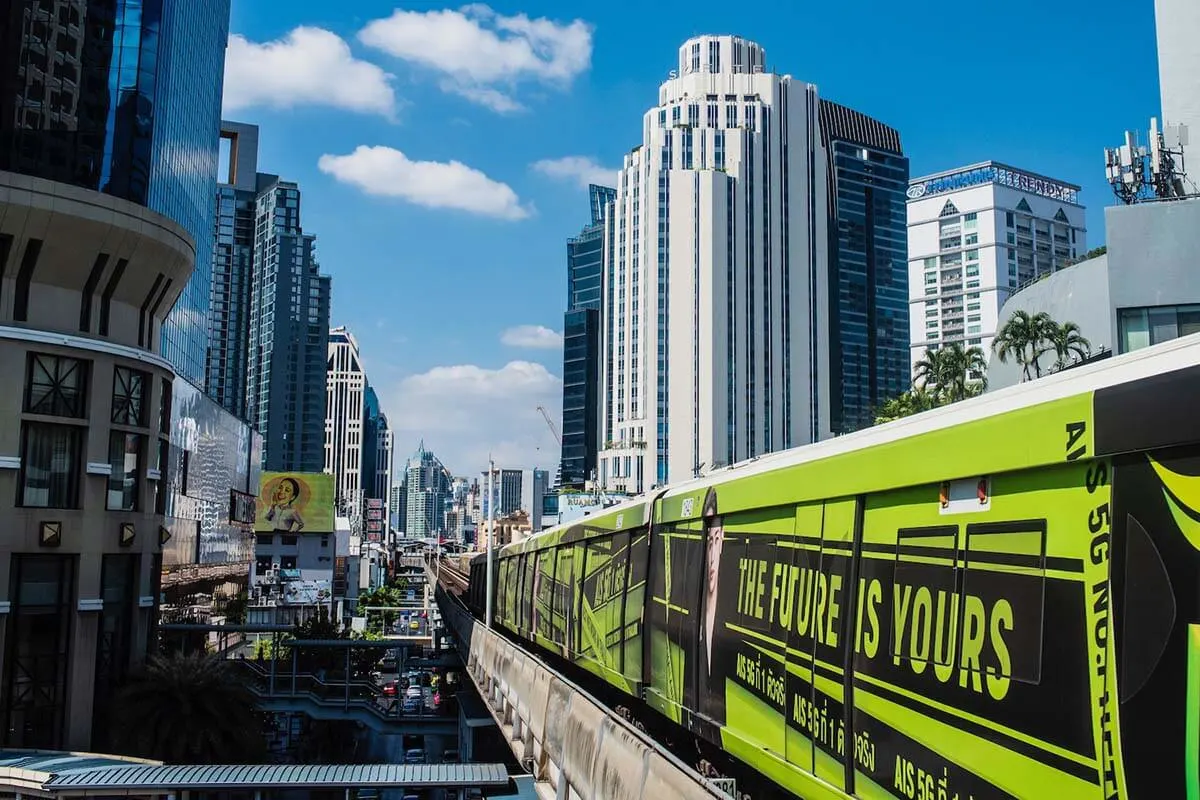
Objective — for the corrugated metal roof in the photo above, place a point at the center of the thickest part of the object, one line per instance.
(59, 762)
(146, 777)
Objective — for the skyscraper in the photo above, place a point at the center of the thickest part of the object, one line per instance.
(716, 279)
(428, 490)
(975, 235)
(868, 265)
(581, 344)
(123, 97)
(506, 491)
(109, 112)
(377, 449)
(232, 273)
(288, 333)
(345, 415)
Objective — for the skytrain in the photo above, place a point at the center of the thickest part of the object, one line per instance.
(996, 599)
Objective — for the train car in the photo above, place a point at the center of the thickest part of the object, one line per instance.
(995, 599)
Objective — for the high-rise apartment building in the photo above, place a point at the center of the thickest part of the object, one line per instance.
(506, 491)
(975, 235)
(428, 490)
(345, 415)
(716, 274)
(868, 265)
(581, 344)
(288, 333)
(123, 97)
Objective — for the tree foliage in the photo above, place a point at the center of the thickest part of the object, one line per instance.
(952, 373)
(1026, 337)
(188, 708)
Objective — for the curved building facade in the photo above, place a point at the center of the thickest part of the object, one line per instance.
(86, 280)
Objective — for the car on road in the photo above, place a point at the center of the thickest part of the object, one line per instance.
(390, 689)
(414, 693)
(411, 706)
(414, 626)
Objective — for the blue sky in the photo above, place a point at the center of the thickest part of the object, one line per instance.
(416, 132)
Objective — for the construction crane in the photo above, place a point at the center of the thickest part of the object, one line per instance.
(550, 422)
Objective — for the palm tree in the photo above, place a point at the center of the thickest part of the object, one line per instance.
(929, 372)
(911, 402)
(960, 369)
(188, 709)
(1023, 337)
(1068, 343)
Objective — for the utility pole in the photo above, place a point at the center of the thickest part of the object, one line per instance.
(491, 501)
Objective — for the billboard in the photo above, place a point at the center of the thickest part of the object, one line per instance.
(295, 502)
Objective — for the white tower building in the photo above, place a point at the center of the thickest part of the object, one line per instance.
(976, 235)
(1178, 24)
(346, 383)
(715, 284)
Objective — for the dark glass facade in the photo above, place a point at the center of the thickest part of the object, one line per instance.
(581, 344)
(184, 159)
(123, 97)
(868, 265)
(289, 332)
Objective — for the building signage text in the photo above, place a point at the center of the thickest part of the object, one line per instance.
(1003, 176)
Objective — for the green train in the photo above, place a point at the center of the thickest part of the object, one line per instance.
(992, 600)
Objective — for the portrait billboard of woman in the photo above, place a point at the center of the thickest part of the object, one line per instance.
(285, 497)
(712, 677)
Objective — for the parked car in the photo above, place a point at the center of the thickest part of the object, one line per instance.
(414, 756)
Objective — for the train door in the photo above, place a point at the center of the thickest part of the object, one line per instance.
(676, 556)
(830, 635)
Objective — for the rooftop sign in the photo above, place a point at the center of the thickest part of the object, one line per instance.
(994, 173)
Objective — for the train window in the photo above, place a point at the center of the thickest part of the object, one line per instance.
(1004, 586)
(528, 565)
(927, 607)
(510, 595)
(502, 573)
(636, 545)
(603, 593)
(564, 586)
(543, 588)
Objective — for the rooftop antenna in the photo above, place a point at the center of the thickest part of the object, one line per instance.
(1139, 173)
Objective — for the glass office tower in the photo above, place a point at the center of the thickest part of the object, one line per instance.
(123, 97)
(581, 344)
(868, 265)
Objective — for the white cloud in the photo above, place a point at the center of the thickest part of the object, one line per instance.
(532, 336)
(464, 413)
(309, 66)
(386, 172)
(479, 50)
(581, 169)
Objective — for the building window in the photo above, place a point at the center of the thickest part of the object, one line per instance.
(1143, 327)
(38, 641)
(129, 394)
(125, 458)
(51, 458)
(56, 386)
(1008, 219)
(289, 540)
(118, 590)
(164, 408)
(264, 540)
